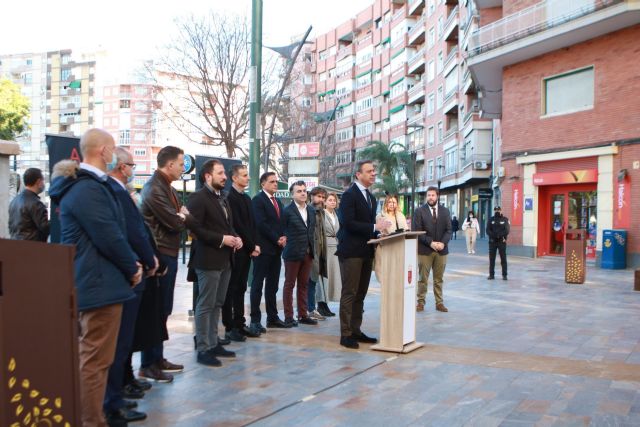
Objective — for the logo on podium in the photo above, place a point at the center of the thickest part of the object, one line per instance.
(410, 273)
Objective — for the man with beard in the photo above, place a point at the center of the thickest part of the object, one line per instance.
(435, 220)
(216, 241)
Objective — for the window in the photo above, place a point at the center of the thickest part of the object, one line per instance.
(430, 170)
(363, 81)
(439, 167)
(29, 62)
(431, 41)
(431, 71)
(451, 82)
(450, 161)
(125, 103)
(364, 55)
(140, 105)
(322, 77)
(379, 23)
(139, 152)
(141, 90)
(440, 97)
(569, 92)
(125, 137)
(398, 117)
(140, 136)
(397, 89)
(431, 104)
(431, 136)
(344, 134)
(28, 78)
(440, 26)
(440, 132)
(431, 8)
(66, 59)
(364, 104)
(440, 62)
(323, 55)
(344, 157)
(364, 129)
(65, 73)
(141, 121)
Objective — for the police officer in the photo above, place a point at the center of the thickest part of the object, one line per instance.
(498, 229)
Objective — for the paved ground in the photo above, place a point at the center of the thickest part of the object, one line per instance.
(532, 351)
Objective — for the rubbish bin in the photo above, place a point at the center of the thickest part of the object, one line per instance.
(575, 268)
(614, 249)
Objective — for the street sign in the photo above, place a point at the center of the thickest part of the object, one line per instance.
(308, 149)
(485, 193)
(310, 181)
(189, 164)
(304, 167)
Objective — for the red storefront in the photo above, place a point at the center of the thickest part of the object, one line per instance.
(568, 200)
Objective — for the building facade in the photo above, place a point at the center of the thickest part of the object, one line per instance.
(397, 73)
(560, 78)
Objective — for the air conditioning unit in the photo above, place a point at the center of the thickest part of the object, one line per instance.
(500, 173)
(480, 165)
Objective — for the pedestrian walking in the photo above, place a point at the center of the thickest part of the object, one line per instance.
(471, 228)
(455, 226)
(498, 229)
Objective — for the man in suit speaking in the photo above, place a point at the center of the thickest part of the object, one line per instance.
(357, 226)
(435, 220)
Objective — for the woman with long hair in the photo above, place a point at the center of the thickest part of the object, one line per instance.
(471, 228)
(329, 289)
(397, 220)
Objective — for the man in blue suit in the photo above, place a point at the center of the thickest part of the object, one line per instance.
(357, 226)
(114, 404)
(268, 211)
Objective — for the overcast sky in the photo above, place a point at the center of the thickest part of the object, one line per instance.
(136, 27)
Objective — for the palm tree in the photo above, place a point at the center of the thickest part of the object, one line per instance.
(393, 163)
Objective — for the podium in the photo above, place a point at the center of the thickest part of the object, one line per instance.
(399, 275)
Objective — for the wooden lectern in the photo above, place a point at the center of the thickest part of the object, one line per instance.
(399, 275)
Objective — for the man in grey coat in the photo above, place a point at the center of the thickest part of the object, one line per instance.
(435, 220)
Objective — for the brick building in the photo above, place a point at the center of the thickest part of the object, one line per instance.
(560, 78)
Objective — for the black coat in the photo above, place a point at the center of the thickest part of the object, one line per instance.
(28, 218)
(210, 225)
(244, 222)
(270, 227)
(357, 219)
(300, 236)
(440, 231)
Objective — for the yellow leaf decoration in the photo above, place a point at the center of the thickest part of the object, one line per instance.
(46, 412)
(12, 364)
(15, 425)
(36, 411)
(25, 383)
(16, 397)
(19, 410)
(58, 402)
(34, 394)
(12, 382)
(67, 425)
(27, 419)
(57, 418)
(44, 401)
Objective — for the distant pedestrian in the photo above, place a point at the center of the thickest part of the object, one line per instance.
(498, 229)
(471, 229)
(455, 226)
(28, 218)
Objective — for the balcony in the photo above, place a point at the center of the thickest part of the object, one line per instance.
(451, 61)
(416, 94)
(468, 86)
(474, 109)
(416, 35)
(416, 7)
(346, 51)
(451, 26)
(539, 29)
(415, 65)
(416, 120)
(344, 122)
(451, 102)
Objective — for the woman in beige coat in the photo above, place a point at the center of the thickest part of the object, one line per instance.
(471, 229)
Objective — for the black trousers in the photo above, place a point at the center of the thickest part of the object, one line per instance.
(233, 308)
(502, 248)
(266, 268)
(356, 274)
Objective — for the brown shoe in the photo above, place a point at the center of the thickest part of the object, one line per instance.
(420, 307)
(154, 373)
(441, 307)
(167, 366)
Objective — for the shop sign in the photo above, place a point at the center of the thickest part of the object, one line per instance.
(516, 211)
(622, 205)
(474, 198)
(485, 193)
(528, 204)
(307, 149)
(567, 177)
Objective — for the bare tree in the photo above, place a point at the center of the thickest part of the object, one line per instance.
(208, 62)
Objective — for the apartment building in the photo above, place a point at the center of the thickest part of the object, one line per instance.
(61, 90)
(397, 74)
(560, 77)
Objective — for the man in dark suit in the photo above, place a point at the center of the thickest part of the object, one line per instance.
(357, 226)
(114, 405)
(435, 220)
(266, 267)
(299, 227)
(215, 243)
(245, 225)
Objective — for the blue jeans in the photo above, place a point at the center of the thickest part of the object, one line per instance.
(167, 285)
(311, 295)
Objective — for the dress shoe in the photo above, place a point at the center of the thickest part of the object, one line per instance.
(349, 342)
(167, 366)
(307, 320)
(248, 332)
(255, 330)
(207, 358)
(153, 372)
(420, 307)
(441, 307)
(324, 309)
(504, 277)
(124, 416)
(220, 351)
(130, 404)
(316, 315)
(141, 384)
(132, 392)
(277, 324)
(361, 337)
(224, 341)
(290, 322)
(490, 278)
(235, 335)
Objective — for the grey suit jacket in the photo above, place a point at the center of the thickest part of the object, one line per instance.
(438, 231)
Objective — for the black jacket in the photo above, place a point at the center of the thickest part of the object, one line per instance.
(357, 219)
(210, 225)
(300, 236)
(270, 227)
(440, 231)
(244, 222)
(28, 218)
(498, 228)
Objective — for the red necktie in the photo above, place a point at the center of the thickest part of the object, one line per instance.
(275, 205)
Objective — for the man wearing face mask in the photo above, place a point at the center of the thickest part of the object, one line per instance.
(105, 266)
(216, 241)
(28, 218)
(498, 228)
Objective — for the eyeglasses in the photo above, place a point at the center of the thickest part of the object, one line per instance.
(131, 165)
